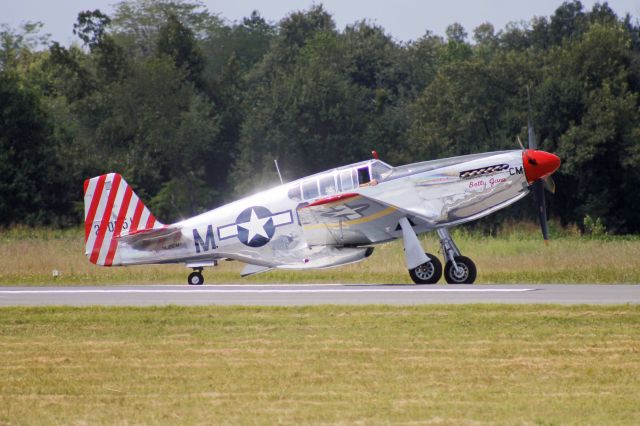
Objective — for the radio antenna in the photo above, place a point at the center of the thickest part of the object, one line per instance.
(278, 170)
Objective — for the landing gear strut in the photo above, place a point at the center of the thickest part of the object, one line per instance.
(425, 268)
(458, 269)
(196, 278)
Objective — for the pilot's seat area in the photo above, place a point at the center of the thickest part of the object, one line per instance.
(340, 180)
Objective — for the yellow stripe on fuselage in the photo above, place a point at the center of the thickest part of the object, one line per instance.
(364, 219)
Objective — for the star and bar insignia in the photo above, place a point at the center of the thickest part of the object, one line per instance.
(255, 226)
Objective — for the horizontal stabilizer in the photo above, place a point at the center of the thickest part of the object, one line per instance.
(151, 238)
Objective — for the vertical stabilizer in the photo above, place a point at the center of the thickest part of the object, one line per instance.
(111, 209)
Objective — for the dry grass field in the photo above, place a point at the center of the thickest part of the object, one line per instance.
(516, 255)
(444, 365)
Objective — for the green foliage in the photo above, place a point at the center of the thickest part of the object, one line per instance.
(178, 42)
(17, 46)
(182, 196)
(91, 27)
(30, 188)
(594, 228)
(192, 110)
(137, 23)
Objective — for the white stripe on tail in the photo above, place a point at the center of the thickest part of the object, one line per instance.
(111, 210)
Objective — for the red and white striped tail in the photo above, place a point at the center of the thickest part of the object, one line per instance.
(111, 209)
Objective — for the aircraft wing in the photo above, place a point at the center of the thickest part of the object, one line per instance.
(349, 218)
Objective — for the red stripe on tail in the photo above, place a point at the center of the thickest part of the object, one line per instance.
(104, 223)
(122, 215)
(150, 222)
(137, 214)
(95, 201)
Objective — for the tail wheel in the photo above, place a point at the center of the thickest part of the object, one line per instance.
(195, 278)
(466, 273)
(427, 273)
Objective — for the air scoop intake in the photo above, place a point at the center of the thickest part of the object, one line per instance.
(539, 164)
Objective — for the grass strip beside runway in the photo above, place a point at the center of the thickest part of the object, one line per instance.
(328, 364)
(517, 255)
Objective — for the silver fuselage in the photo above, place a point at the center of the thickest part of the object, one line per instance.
(267, 228)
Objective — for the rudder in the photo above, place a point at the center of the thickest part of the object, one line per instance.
(111, 209)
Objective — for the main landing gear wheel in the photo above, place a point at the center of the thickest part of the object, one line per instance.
(195, 278)
(427, 273)
(466, 273)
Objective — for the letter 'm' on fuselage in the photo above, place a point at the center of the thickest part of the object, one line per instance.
(207, 244)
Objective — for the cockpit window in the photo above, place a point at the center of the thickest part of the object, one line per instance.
(346, 180)
(328, 185)
(379, 170)
(310, 189)
(295, 193)
(363, 175)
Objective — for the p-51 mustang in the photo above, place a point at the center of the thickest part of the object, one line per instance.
(325, 220)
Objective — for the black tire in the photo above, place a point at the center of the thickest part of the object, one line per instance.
(427, 273)
(195, 278)
(466, 271)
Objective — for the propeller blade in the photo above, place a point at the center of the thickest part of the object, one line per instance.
(550, 184)
(541, 184)
(532, 135)
(538, 192)
(532, 138)
(520, 142)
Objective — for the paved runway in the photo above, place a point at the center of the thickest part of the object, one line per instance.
(305, 294)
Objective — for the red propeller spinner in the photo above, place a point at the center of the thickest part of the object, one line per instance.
(539, 164)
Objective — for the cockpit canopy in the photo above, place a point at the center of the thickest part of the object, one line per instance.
(339, 180)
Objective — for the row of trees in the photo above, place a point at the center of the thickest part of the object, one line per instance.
(192, 110)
